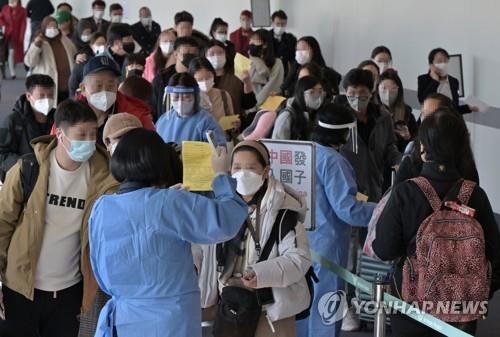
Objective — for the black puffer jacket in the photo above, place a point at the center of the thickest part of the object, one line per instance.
(16, 132)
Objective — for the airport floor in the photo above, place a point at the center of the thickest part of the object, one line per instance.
(11, 89)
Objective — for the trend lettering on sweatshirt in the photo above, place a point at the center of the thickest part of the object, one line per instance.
(64, 201)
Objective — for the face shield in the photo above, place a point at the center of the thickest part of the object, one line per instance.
(353, 131)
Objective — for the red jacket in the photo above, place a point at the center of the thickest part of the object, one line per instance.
(240, 41)
(127, 104)
(14, 21)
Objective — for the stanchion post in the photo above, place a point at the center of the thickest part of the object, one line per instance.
(380, 316)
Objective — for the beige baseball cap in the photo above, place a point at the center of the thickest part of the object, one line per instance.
(118, 125)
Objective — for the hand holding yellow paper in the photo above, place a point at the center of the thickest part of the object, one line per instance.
(272, 103)
(197, 166)
(241, 64)
(226, 122)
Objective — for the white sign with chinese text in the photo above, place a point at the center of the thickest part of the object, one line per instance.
(294, 163)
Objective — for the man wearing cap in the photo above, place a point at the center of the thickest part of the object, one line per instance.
(100, 91)
(116, 127)
(241, 36)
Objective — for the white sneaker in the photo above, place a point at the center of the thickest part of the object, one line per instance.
(351, 321)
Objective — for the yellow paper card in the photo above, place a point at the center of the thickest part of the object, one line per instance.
(241, 64)
(197, 166)
(226, 122)
(361, 197)
(272, 103)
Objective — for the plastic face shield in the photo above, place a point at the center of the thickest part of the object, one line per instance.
(353, 131)
(179, 90)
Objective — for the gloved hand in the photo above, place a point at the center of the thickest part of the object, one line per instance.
(220, 161)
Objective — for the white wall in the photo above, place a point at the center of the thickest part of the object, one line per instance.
(349, 29)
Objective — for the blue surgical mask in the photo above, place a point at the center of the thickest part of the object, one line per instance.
(81, 150)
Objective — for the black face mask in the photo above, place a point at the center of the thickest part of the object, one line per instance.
(255, 50)
(129, 47)
(135, 72)
(187, 58)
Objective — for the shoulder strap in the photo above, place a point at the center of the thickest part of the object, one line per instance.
(429, 192)
(29, 174)
(286, 221)
(466, 190)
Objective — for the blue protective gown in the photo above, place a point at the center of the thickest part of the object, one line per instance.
(140, 250)
(336, 211)
(173, 128)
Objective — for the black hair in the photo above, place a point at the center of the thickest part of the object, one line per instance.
(159, 59)
(70, 113)
(300, 125)
(137, 58)
(358, 77)
(95, 36)
(201, 63)
(215, 24)
(183, 17)
(268, 55)
(446, 141)
(115, 7)
(379, 50)
(313, 68)
(398, 110)
(65, 4)
(186, 80)
(333, 114)
(142, 156)
(118, 31)
(38, 80)
(99, 3)
(247, 148)
(436, 51)
(279, 14)
(366, 63)
(185, 41)
(317, 56)
(444, 101)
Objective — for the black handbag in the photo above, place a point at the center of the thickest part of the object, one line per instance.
(238, 313)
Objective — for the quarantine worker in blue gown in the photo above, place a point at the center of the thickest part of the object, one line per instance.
(337, 210)
(140, 240)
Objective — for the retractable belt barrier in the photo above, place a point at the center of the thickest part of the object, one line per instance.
(397, 304)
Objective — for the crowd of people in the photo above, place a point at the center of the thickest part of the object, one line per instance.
(99, 236)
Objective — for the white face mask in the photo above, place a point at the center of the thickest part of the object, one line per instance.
(51, 32)
(206, 85)
(248, 182)
(146, 21)
(388, 97)
(166, 47)
(245, 24)
(102, 100)
(183, 109)
(98, 14)
(218, 61)
(313, 102)
(442, 67)
(382, 66)
(278, 31)
(116, 18)
(43, 105)
(85, 38)
(302, 57)
(98, 49)
(358, 104)
(220, 37)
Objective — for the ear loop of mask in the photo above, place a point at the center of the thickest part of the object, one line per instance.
(353, 130)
